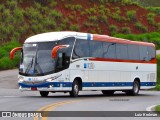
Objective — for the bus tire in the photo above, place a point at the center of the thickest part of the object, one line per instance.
(107, 92)
(75, 89)
(44, 93)
(135, 89)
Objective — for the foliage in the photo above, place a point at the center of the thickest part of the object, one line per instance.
(113, 1)
(146, 3)
(20, 19)
(55, 14)
(74, 27)
(126, 30)
(158, 69)
(153, 37)
(103, 19)
(5, 62)
(116, 14)
(88, 24)
(158, 75)
(150, 18)
(76, 7)
(113, 29)
(131, 15)
(158, 27)
(158, 108)
(91, 11)
(129, 2)
(141, 27)
(93, 18)
(154, 9)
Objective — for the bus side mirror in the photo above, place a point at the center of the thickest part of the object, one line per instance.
(12, 52)
(56, 48)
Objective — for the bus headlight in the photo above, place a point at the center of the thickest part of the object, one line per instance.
(20, 80)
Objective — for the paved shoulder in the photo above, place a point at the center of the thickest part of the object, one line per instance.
(158, 52)
(8, 79)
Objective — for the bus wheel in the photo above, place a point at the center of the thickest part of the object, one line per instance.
(135, 89)
(75, 89)
(107, 92)
(44, 93)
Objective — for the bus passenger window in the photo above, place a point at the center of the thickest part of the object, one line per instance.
(109, 50)
(133, 52)
(96, 49)
(121, 51)
(81, 49)
(151, 53)
(143, 53)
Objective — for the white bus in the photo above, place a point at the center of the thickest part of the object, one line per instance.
(74, 61)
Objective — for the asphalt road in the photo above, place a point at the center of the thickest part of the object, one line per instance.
(158, 52)
(11, 99)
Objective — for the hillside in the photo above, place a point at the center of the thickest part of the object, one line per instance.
(155, 3)
(20, 19)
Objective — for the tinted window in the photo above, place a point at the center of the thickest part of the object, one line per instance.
(81, 49)
(133, 52)
(109, 50)
(96, 49)
(67, 41)
(64, 55)
(143, 53)
(122, 51)
(151, 53)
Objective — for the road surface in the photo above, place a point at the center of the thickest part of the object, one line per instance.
(11, 99)
(158, 52)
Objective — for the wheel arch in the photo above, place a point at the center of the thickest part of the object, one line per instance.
(138, 80)
(79, 80)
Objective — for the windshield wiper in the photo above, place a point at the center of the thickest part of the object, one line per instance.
(29, 66)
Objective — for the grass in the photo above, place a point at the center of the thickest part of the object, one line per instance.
(5, 62)
(154, 9)
(113, 29)
(22, 19)
(150, 18)
(126, 30)
(157, 108)
(141, 27)
(158, 71)
(155, 3)
(153, 37)
(132, 15)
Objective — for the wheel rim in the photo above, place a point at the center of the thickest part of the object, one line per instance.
(76, 89)
(136, 88)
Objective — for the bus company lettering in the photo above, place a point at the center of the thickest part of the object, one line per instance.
(89, 65)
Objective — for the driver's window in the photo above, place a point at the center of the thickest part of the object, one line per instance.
(64, 54)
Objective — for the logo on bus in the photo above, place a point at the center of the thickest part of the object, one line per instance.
(89, 65)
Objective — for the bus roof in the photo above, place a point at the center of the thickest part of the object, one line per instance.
(52, 36)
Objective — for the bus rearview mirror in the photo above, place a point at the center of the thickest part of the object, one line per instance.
(56, 48)
(13, 51)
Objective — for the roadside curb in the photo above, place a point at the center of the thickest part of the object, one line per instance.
(151, 108)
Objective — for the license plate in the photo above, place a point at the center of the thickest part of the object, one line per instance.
(33, 88)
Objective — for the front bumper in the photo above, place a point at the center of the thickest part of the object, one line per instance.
(46, 86)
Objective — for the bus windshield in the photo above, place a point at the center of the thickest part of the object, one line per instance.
(37, 59)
